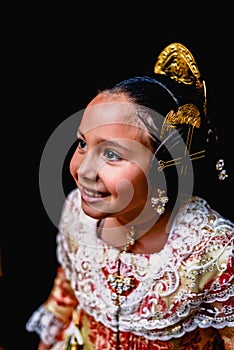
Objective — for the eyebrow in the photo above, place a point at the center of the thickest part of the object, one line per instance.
(81, 133)
(107, 142)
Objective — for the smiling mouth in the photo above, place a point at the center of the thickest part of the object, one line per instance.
(94, 194)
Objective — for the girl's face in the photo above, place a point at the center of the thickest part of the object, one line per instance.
(112, 160)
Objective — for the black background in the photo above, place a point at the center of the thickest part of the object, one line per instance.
(55, 63)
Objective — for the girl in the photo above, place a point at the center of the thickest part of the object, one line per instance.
(145, 263)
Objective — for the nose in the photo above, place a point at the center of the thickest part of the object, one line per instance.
(89, 167)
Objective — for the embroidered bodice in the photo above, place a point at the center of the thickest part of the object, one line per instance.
(158, 296)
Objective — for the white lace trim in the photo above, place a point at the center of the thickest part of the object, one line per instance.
(45, 325)
(182, 287)
(172, 285)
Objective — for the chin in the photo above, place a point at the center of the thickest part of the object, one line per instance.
(92, 212)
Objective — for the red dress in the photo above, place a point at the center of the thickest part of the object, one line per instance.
(179, 298)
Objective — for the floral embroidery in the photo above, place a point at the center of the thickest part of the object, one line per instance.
(162, 294)
(178, 299)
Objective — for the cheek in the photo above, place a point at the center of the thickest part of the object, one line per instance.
(74, 165)
(141, 185)
(110, 179)
(132, 181)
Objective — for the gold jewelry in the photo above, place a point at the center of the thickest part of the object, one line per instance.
(186, 114)
(158, 203)
(119, 285)
(130, 238)
(165, 164)
(178, 63)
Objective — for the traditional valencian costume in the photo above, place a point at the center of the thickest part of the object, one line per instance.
(107, 298)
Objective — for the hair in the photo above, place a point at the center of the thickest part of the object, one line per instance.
(158, 95)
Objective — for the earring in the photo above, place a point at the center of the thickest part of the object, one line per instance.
(158, 203)
(221, 172)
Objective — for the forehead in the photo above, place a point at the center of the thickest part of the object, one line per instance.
(106, 110)
(116, 116)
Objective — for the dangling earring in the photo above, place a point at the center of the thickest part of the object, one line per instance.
(158, 203)
(221, 172)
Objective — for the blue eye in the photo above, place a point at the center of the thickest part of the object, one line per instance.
(81, 144)
(111, 155)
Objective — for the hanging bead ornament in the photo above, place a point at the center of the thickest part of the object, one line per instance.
(120, 285)
(221, 172)
(158, 203)
(130, 238)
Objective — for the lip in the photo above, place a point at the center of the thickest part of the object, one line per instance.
(90, 195)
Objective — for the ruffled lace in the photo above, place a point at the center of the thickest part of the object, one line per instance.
(188, 284)
(45, 325)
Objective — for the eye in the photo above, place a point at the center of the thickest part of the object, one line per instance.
(81, 143)
(111, 155)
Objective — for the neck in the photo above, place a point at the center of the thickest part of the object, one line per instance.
(149, 235)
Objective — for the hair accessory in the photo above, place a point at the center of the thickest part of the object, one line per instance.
(158, 203)
(178, 63)
(165, 164)
(186, 114)
(221, 171)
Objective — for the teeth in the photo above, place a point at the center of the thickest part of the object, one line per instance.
(92, 194)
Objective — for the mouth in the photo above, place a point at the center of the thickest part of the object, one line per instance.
(90, 195)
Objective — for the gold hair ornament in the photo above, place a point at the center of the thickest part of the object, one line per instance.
(186, 114)
(164, 164)
(177, 62)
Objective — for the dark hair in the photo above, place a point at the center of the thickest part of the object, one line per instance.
(161, 94)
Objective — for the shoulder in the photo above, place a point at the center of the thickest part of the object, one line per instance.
(207, 238)
(219, 224)
(198, 214)
(73, 200)
(69, 219)
(213, 229)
